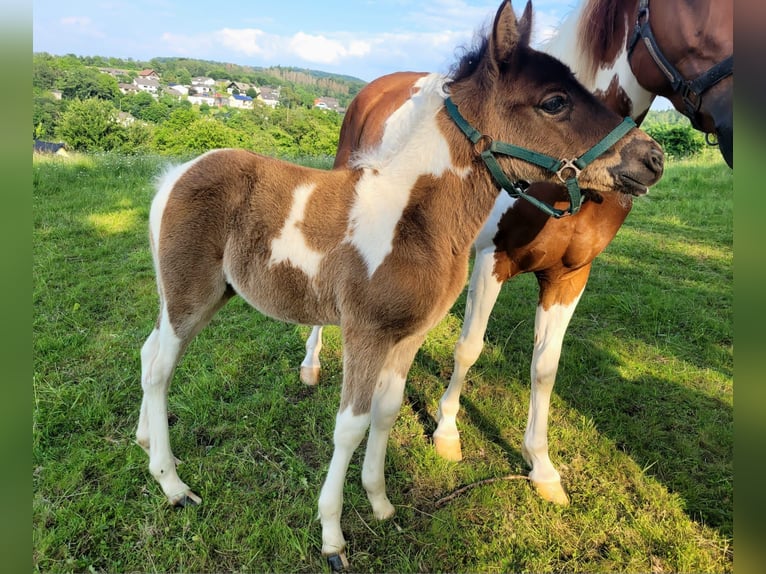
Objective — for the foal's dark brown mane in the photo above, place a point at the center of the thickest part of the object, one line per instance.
(470, 60)
(472, 57)
(603, 29)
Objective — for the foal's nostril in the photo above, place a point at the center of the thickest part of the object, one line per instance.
(656, 160)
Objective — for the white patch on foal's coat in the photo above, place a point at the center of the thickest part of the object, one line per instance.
(290, 245)
(411, 147)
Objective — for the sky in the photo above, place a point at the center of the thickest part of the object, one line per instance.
(361, 38)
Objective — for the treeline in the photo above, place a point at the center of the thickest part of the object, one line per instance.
(307, 84)
(93, 115)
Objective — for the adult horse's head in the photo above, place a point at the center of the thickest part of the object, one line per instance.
(510, 93)
(684, 51)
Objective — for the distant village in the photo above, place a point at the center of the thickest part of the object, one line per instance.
(205, 90)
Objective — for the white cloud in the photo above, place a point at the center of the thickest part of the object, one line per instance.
(322, 50)
(249, 41)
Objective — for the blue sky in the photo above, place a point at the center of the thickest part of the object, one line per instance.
(362, 38)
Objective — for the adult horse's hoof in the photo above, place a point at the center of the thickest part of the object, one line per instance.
(552, 492)
(448, 448)
(310, 375)
(338, 562)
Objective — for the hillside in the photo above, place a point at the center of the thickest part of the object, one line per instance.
(308, 84)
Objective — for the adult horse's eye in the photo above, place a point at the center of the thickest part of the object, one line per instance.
(554, 104)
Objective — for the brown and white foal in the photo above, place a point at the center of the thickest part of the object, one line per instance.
(380, 249)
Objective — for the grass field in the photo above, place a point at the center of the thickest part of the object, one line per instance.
(641, 418)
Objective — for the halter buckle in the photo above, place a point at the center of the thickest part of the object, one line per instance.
(568, 164)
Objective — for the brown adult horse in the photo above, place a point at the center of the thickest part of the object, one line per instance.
(380, 248)
(685, 52)
(597, 42)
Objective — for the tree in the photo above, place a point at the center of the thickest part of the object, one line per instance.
(85, 83)
(46, 115)
(677, 140)
(91, 125)
(199, 136)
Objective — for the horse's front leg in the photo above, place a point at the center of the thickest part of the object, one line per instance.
(483, 291)
(310, 366)
(558, 300)
(386, 403)
(363, 359)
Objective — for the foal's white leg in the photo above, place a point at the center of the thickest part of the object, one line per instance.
(310, 365)
(159, 357)
(550, 326)
(483, 290)
(349, 432)
(386, 404)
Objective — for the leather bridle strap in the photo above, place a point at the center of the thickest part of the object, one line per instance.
(690, 90)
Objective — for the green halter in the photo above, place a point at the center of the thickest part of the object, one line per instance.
(557, 166)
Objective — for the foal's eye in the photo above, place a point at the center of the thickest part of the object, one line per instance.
(554, 104)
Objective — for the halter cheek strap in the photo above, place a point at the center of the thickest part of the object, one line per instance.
(690, 90)
(561, 167)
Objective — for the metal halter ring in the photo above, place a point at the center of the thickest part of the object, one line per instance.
(568, 164)
(483, 138)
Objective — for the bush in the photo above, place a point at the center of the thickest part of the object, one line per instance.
(678, 140)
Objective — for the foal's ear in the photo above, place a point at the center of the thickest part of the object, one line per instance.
(525, 25)
(507, 33)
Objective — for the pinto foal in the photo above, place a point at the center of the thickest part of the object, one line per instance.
(597, 42)
(381, 248)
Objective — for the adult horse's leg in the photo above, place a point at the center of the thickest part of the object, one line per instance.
(363, 359)
(483, 290)
(558, 301)
(386, 404)
(310, 366)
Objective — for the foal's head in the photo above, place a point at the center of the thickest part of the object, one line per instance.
(515, 94)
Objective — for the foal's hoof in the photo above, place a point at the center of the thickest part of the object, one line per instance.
(552, 492)
(188, 498)
(448, 448)
(338, 562)
(310, 375)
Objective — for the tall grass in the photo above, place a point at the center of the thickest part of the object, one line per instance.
(641, 420)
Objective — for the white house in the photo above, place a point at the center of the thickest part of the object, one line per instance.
(241, 87)
(241, 101)
(208, 99)
(203, 84)
(269, 96)
(147, 85)
(180, 88)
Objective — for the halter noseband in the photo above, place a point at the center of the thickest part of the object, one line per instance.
(557, 166)
(690, 90)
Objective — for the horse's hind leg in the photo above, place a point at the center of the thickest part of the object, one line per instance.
(159, 356)
(558, 300)
(483, 291)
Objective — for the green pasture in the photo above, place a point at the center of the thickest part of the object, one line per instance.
(641, 422)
